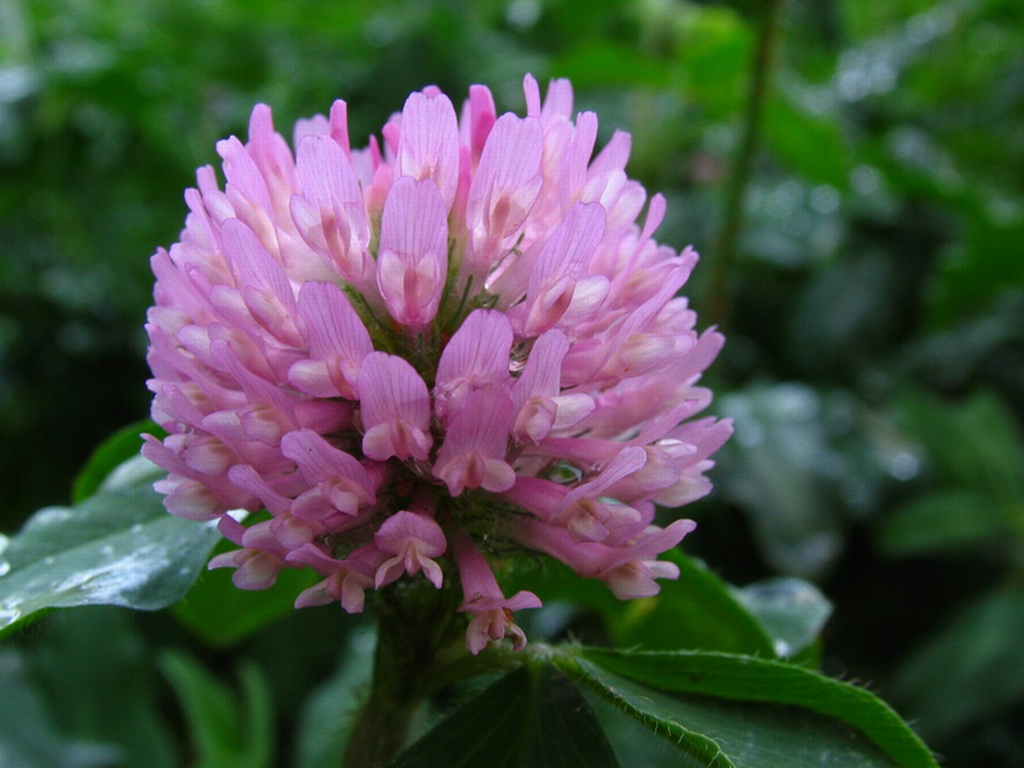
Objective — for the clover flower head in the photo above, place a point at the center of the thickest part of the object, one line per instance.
(426, 354)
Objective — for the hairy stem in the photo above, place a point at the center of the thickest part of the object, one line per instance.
(414, 625)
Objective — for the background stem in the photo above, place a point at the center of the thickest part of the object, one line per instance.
(722, 284)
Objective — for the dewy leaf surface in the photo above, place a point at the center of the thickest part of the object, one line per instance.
(119, 547)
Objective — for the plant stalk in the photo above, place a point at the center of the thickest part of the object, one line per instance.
(722, 283)
(414, 625)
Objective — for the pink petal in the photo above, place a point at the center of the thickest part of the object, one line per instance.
(475, 446)
(561, 263)
(429, 144)
(337, 339)
(477, 356)
(412, 261)
(478, 117)
(504, 188)
(395, 408)
(414, 539)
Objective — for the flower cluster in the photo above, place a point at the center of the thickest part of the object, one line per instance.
(428, 352)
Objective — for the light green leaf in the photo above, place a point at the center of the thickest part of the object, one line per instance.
(112, 453)
(607, 64)
(120, 547)
(974, 443)
(696, 611)
(811, 144)
(792, 611)
(223, 615)
(941, 521)
(729, 709)
(533, 717)
(714, 45)
(228, 731)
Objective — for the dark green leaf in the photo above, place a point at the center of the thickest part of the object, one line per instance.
(697, 610)
(746, 679)
(782, 466)
(716, 733)
(327, 716)
(635, 743)
(28, 736)
(226, 732)
(75, 656)
(533, 717)
(986, 264)
(970, 669)
(120, 547)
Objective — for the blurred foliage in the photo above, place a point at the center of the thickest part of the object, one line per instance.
(875, 356)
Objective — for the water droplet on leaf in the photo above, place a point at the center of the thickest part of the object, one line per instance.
(8, 616)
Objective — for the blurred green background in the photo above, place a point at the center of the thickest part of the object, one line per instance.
(868, 273)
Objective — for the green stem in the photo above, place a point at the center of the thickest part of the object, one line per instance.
(414, 626)
(722, 283)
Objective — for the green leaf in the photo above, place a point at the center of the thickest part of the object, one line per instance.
(811, 144)
(114, 451)
(28, 736)
(226, 732)
(696, 611)
(784, 467)
(728, 734)
(974, 443)
(533, 717)
(223, 615)
(661, 715)
(980, 268)
(792, 611)
(606, 64)
(120, 547)
(75, 656)
(729, 709)
(971, 669)
(327, 715)
(634, 741)
(941, 521)
(713, 44)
